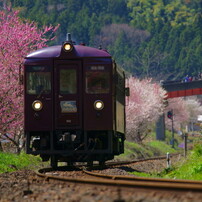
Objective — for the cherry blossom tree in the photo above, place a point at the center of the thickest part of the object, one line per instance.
(144, 107)
(194, 109)
(180, 113)
(18, 38)
(184, 111)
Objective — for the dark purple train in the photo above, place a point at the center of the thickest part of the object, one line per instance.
(74, 104)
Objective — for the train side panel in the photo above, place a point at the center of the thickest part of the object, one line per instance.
(120, 100)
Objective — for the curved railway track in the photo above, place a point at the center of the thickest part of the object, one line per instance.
(124, 181)
(150, 182)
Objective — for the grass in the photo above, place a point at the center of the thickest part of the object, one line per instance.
(132, 151)
(191, 168)
(149, 149)
(145, 150)
(160, 147)
(10, 162)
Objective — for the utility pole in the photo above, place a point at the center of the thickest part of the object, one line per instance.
(185, 145)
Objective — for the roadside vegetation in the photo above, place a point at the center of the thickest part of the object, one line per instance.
(189, 168)
(145, 150)
(10, 162)
(151, 147)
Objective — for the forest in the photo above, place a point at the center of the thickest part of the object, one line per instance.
(161, 39)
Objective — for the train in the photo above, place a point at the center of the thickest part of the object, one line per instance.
(74, 104)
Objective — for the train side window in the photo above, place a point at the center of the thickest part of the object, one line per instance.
(97, 82)
(68, 82)
(38, 80)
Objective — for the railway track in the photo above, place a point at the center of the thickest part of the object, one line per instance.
(92, 177)
(150, 182)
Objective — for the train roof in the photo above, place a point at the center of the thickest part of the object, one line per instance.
(78, 51)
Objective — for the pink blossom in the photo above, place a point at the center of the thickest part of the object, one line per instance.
(144, 107)
(184, 111)
(18, 38)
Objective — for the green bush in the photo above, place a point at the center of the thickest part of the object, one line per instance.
(10, 162)
(197, 151)
(160, 147)
(145, 150)
(190, 168)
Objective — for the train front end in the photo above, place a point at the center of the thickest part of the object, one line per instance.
(74, 104)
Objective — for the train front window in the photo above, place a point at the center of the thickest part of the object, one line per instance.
(97, 82)
(68, 81)
(38, 80)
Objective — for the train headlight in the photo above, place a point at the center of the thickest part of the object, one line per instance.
(98, 105)
(67, 46)
(37, 105)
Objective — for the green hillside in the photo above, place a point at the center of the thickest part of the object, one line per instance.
(149, 38)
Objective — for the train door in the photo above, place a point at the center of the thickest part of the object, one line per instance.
(68, 94)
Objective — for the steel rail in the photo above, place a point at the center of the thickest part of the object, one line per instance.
(127, 183)
(133, 178)
(139, 160)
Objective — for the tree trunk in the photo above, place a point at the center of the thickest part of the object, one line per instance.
(138, 137)
(1, 148)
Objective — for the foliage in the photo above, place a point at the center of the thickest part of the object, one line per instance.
(18, 38)
(140, 174)
(82, 18)
(120, 39)
(153, 148)
(171, 30)
(133, 150)
(169, 138)
(11, 162)
(186, 168)
(173, 25)
(144, 107)
(197, 152)
(180, 114)
(184, 111)
(176, 12)
(194, 108)
(161, 147)
(190, 168)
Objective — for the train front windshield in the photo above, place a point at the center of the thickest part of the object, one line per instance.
(38, 80)
(97, 82)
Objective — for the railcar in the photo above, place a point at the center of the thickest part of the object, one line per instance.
(74, 98)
